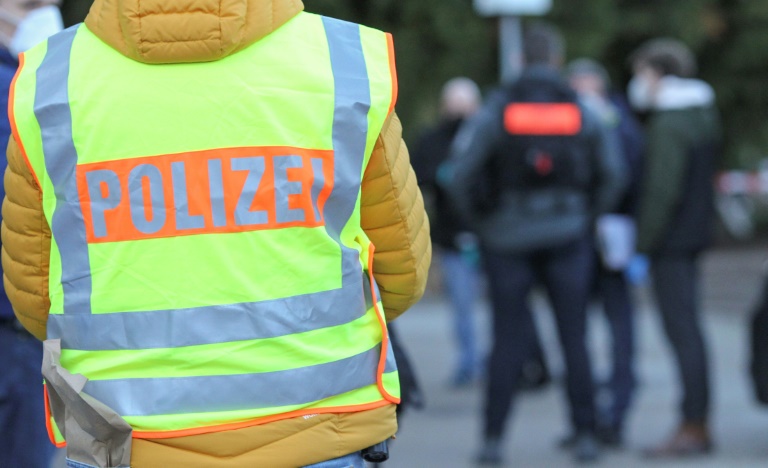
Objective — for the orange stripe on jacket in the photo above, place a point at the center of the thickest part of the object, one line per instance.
(559, 119)
(392, 71)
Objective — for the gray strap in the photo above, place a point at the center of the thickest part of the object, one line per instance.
(95, 434)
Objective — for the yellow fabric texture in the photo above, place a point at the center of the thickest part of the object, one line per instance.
(289, 444)
(393, 217)
(158, 31)
(162, 31)
(26, 241)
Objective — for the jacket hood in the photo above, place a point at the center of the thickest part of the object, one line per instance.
(682, 93)
(162, 31)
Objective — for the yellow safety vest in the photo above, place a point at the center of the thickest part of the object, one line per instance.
(208, 270)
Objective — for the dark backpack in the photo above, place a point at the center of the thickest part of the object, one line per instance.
(542, 145)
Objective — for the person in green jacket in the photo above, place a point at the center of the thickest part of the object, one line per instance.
(676, 216)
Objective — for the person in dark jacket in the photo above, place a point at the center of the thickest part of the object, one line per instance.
(676, 215)
(23, 438)
(457, 246)
(611, 289)
(530, 172)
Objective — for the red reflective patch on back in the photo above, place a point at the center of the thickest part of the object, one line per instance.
(543, 164)
(311, 183)
(559, 119)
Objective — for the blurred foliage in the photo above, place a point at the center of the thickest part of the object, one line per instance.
(436, 40)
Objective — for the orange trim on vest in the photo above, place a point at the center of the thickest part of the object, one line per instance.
(48, 422)
(563, 119)
(384, 334)
(12, 119)
(392, 71)
(257, 422)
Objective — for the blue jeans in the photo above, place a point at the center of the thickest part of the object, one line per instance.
(24, 441)
(353, 460)
(615, 296)
(460, 283)
(566, 273)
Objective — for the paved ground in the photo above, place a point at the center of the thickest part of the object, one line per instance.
(445, 433)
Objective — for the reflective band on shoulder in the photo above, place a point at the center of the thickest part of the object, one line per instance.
(129, 397)
(211, 325)
(350, 120)
(55, 118)
(352, 101)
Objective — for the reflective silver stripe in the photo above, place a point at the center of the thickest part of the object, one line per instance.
(216, 181)
(350, 133)
(317, 186)
(255, 167)
(55, 118)
(352, 95)
(350, 121)
(100, 203)
(182, 395)
(184, 220)
(148, 223)
(284, 188)
(207, 325)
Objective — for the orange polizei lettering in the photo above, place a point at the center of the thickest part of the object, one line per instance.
(213, 191)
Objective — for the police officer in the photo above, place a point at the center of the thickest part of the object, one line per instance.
(530, 172)
(198, 189)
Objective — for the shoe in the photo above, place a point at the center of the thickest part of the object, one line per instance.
(568, 442)
(610, 436)
(585, 446)
(490, 453)
(689, 440)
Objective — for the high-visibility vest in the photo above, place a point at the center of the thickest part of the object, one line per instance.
(208, 270)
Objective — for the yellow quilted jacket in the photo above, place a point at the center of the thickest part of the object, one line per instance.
(158, 31)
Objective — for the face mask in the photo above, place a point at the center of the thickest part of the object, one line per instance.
(640, 94)
(36, 27)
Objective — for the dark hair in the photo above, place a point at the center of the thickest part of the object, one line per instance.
(543, 44)
(666, 56)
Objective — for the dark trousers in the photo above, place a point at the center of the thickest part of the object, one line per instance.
(675, 281)
(23, 436)
(566, 274)
(614, 296)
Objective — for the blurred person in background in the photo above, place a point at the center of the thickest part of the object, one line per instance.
(458, 251)
(23, 438)
(616, 234)
(530, 172)
(676, 215)
(192, 202)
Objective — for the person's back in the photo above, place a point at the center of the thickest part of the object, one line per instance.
(529, 173)
(214, 207)
(545, 166)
